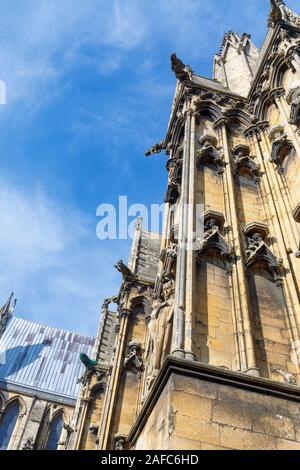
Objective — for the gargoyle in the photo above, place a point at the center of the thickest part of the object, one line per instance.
(275, 13)
(29, 444)
(182, 71)
(124, 270)
(89, 363)
(157, 148)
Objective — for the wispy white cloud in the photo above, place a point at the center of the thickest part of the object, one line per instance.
(37, 31)
(52, 260)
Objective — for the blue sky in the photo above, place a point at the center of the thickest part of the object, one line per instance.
(89, 89)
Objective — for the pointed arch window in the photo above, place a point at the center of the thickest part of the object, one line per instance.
(54, 433)
(8, 423)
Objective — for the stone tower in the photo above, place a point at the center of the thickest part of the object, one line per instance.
(208, 341)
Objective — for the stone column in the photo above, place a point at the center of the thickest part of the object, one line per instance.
(278, 95)
(239, 282)
(190, 267)
(112, 387)
(177, 347)
(269, 189)
(284, 204)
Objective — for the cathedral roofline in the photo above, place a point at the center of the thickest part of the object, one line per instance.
(288, 20)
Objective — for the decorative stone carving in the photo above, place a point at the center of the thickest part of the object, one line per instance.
(287, 376)
(29, 444)
(172, 194)
(120, 441)
(157, 148)
(93, 429)
(244, 164)
(174, 233)
(275, 14)
(91, 368)
(293, 98)
(160, 331)
(168, 257)
(281, 147)
(279, 12)
(124, 270)
(292, 58)
(89, 364)
(259, 253)
(133, 361)
(174, 167)
(257, 227)
(209, 153)
(296, 215)
(68, 428)
(214, 242)
(183, 72)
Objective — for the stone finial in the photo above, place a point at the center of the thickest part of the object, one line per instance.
(6, 312)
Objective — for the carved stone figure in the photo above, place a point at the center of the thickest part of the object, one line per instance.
(258, 251)
(213, 242)
(295, 111)
(254, 244)
(275, 13)
(29, 444)
(133, 362)
(124, 270)
(282, 148)
(181, 70)
(160, 331)
(210, 153)
(120, 442)
(157, 148)
(244, 164)
(89, 363)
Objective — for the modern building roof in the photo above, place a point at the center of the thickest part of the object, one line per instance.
(41, 360)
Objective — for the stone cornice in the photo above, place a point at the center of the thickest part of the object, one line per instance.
(213, 374)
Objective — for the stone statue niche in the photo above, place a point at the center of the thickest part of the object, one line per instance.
(244, 164)
(210, 154)
(160, 332)
(293, 98)
(282, 148)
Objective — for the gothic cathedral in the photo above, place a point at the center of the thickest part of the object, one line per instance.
(207, 346)
(203, 351)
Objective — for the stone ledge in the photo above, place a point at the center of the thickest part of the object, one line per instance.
(211, 374)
